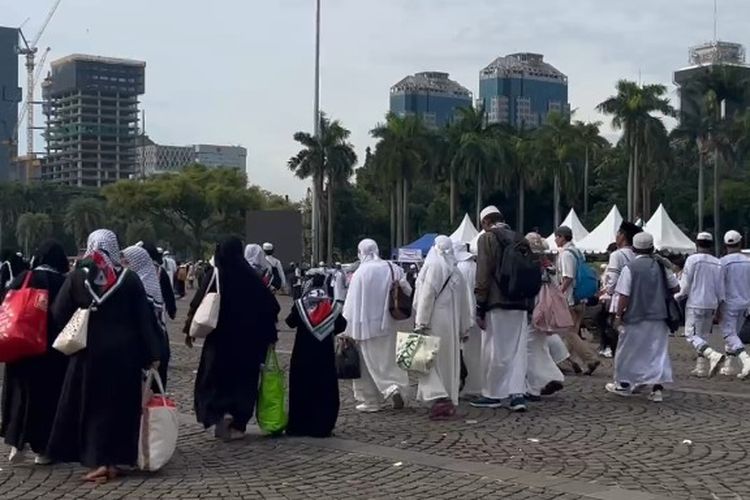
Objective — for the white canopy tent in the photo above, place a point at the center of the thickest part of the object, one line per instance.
(667, 236)
(600, 238)
(574, 223)
(466, 232)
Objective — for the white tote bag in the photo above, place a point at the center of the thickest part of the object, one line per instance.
(157, 441)
(416, 352)
(206, 317)
(73, 337)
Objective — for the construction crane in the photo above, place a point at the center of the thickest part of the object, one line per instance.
(30, 51)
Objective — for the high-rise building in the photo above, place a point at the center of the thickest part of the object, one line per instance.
(10, 96)
(152, 158)
(432, 96)
(709, 56)
(521, 90)
(91, 104)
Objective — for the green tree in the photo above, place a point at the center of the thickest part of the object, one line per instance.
(556, 142)
(32, 229)
(589, 138)
(82, 216)
(140, 230)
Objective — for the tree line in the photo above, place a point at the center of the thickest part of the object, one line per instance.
(419, 180)
(186, 211)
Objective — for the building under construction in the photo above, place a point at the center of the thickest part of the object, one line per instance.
(91, 105)
(10, 96)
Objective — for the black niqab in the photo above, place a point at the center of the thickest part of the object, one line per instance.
(51, 254)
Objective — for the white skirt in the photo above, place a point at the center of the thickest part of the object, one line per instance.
(642, 356)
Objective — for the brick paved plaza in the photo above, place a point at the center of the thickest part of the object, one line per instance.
(581, 443)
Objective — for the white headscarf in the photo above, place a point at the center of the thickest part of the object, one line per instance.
(368, 250)
(139, 261)
(105, 242)
(439, 264)
(256, 257)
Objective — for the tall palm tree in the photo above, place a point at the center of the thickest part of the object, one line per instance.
(556, 142)
(31, 229)
(630, 108)
(401, 152)
(82, 216)
(590, 139)
(327, 157)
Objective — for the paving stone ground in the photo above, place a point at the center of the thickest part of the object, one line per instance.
(581, 443)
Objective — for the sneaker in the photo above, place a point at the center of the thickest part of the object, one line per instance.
(729, 367)
(656, 396)
(42, 460)
(701, 368)
(714, 359)
(487, 403)
(367, 408)
(398, 401)
(518, 404)
(607, 353)
(616, 388)
(235, 435)
(533, 398)
(591, 367)
(551, 388)
(222, 428)
(576, 367)
(16, 456)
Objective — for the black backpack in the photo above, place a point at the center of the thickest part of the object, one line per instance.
(519, 275)
(275, 278)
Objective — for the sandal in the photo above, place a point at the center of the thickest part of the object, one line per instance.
(443, 410)
(99, 475)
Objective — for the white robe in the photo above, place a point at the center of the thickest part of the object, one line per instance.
(472, 345)
(557, 348)
(447, 312)
(542, 367)
(381, 377)
(504, 353)
(642, 356)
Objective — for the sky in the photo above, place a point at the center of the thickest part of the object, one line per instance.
(241, 71)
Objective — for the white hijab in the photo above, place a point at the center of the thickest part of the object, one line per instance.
(256, 257)
(366, 304)
(439, 265)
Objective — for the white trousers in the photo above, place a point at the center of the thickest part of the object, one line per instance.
(542, 368)
(731, 325)
(472, 349)
(381, 377)
(698, 325)
(557, 348)
(504, 353)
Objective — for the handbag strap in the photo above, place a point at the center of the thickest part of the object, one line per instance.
(152, 376)
(272, 360)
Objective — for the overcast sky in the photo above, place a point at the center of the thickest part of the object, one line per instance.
(241, 71)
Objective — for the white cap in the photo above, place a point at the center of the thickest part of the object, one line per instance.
(643, 241)
(267, 247)
(704, 237)
(492, 209)
(732, 238)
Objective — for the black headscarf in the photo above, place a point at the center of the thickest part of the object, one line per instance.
(630, 230)
(51, 254)
(152, 251)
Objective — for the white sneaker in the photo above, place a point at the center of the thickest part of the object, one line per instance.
(656, 396)
(714, 358)
(16, 456)
(729, 367)
(607, 353)
(701, 368)
(42, 460)
(744, 358)
(368, 408)
(616, 388)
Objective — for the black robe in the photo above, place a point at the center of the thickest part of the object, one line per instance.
(313, 383)
(98, 417)
(227, 379)
(31, 387)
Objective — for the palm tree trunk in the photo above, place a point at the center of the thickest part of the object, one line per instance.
(636, 180)
(393, 220)
(479, 192)
(556, 200)
(701, 190)
(717, 220)
(406, 211)
(521, 203)
(453, 197)
(399, 213)
(329, 231)
(586, 186)
(630, 177)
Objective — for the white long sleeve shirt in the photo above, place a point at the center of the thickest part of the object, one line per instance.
(702, 281)
(736, 277)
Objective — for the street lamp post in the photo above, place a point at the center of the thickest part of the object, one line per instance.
(315, 223)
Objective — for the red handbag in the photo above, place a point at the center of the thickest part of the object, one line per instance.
(23, 323)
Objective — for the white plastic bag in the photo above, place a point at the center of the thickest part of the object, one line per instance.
(416, 352)
(206, 317)
(159, 427)
(73, 337)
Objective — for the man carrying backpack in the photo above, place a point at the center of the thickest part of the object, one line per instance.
(579, 283)
(507, 280)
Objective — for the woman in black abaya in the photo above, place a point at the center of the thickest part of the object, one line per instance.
(226, 387)
(313, 383)
(99, 413)
(31, 387)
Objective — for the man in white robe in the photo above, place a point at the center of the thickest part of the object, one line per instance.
(372, 327)
(736, 277)
(471, 347)
(443, 309)
(279, 276)
(642, 356)
(504, 321)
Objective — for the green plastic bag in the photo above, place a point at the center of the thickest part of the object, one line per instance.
(272, 415)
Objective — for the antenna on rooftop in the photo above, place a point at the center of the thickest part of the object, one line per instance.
(716, 21)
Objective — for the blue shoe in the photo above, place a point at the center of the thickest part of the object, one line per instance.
(532, 398)
(487, 403)
(518, 404)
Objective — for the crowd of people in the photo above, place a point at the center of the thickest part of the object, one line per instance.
(499, 344)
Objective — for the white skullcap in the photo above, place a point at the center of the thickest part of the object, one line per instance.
(267, 246)
(489, 210)
(704, 237)
(643, 241)
(732, 238)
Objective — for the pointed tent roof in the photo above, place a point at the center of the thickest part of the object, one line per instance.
(575, 224)
(667, 236)
(465, 232)
(600, 238)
